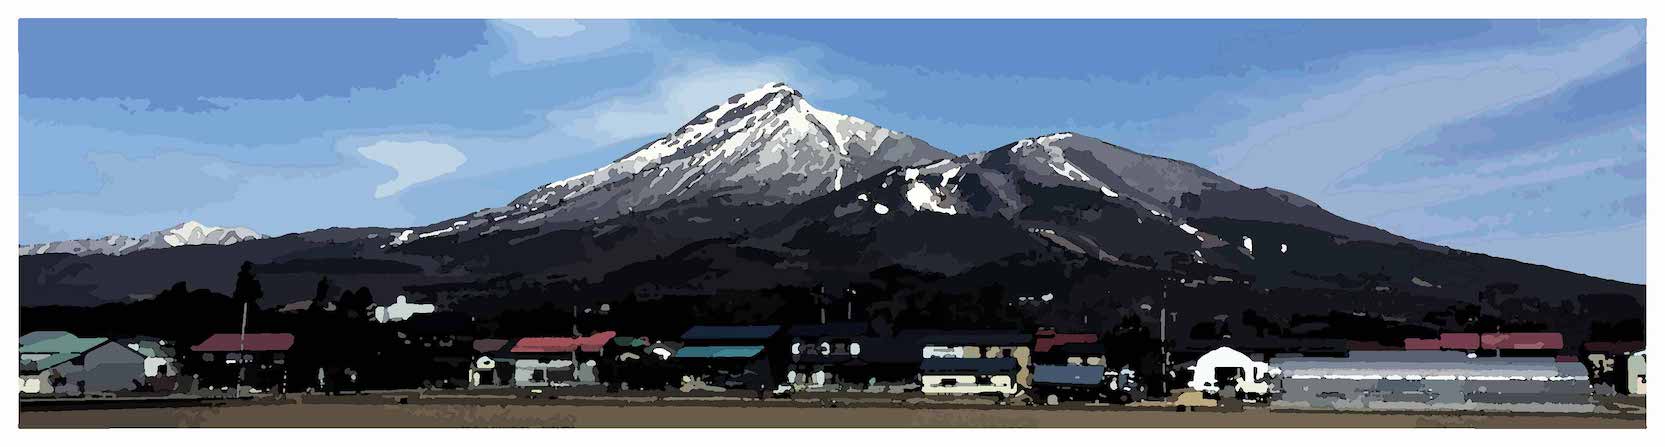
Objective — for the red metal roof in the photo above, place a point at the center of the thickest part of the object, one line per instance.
(1045, 340)
(591, 343)
(490, 344)
(1614, 347)
(1422, 344)
(1460, 341)
(1521, 340)
(246, 342)
(1507, 340)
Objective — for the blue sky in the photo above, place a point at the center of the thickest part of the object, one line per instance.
(1523, 139)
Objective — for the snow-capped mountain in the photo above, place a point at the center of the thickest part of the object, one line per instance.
(765, 191)
(1071, 193)
(188, 233)
(767, 145)
(762, 147)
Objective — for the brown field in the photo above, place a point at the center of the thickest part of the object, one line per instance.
(376, 412)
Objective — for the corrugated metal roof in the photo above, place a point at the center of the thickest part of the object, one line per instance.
(490, 344)
(245, 342)
(62, 344)
(590, 343)
(1521, 340)
(40, 336)
(30, 367)
(1432, 365)
(835, 329)
(1046, 340)
(718, 352)
(755, 332)
(1069, 374)
(976, 337)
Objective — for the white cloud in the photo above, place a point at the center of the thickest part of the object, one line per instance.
(547, 28)
(414, 161)
(534, 42)
(1414, 193)
(676, 98)
(1337, 134)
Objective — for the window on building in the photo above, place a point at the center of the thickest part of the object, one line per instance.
(537, 375)
(985, 380)
(949, 382)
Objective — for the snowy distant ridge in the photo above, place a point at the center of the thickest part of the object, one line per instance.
(188, 233)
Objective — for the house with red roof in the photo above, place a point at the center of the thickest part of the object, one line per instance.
(558, 361)
(1063, 348)
(255, 360)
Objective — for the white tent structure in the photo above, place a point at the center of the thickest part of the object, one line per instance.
(1225, 366)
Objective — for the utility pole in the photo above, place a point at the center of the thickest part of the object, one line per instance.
(242, 338)
(1162, 317)
(575, 335)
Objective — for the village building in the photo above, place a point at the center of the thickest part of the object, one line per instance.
(1054, 383)
(979, 344)
(1055, 348)
(492, 365)
(732, 357)
(256, 361)
(1433, 380)
(162, 366)
(1227, 369)
(60, 363)
(559, 361)
(969, 376)
(1609, 363)
(824, 356)
(1636, 373)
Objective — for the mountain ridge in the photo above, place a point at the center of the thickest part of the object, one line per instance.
(764, 190)
(184, 234)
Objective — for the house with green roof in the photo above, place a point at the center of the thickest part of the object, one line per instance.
(61, 363)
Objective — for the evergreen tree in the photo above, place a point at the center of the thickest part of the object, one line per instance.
(248, 288)
(320, 299)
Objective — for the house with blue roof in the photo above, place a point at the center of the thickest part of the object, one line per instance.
(53, 362)
(747, 357)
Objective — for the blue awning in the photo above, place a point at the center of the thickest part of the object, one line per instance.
(717, 352)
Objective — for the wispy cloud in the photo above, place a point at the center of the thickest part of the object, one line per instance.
(413, 161)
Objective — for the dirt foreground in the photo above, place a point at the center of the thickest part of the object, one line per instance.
(424, 415)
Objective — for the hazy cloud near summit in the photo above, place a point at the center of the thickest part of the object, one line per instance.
(413, 161)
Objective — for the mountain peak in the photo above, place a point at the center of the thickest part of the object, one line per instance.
(766, 145)
(773, 87)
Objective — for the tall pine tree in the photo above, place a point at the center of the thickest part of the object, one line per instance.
(248, 288)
